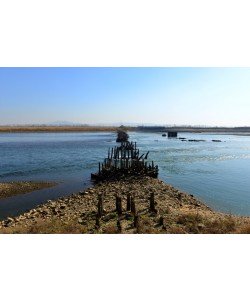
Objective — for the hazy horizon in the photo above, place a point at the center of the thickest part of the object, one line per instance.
(141, 96)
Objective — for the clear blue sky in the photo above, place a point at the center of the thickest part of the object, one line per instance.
(196, 96)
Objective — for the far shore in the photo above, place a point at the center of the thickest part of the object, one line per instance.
(244, 131)
(16, 129)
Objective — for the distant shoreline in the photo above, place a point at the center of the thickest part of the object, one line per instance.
(245, 131)
(16, 129)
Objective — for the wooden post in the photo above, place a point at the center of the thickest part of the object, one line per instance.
(161, 221)
(152, 202)
(97, 221)
(100, 206)
(133, 208)
(119, 205)
(119, 226)
(128, 202)
(136, 221)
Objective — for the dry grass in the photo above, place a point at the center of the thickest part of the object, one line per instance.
(47, 227)
(244, 229)
(202, 224)
(57, 128)
(110, 229)
(185, 223)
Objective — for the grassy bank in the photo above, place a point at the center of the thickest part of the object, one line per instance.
(8, 189)
(85, 128)
(175, 212)
(57, 129)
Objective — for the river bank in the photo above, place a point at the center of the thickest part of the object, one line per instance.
(16, 129)
(175, 212)
(9, 189)
(241, 131)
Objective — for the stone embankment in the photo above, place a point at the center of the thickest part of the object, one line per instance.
(145, 205)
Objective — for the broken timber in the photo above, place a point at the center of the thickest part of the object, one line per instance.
(122, 136)
(125, 161)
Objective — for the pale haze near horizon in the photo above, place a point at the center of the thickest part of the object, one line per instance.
(181, 96)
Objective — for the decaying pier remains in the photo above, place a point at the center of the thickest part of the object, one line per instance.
(124, 161)
(122, 136)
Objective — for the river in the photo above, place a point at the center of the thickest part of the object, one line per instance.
(217, 173)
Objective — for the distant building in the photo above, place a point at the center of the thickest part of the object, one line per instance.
(172, 134)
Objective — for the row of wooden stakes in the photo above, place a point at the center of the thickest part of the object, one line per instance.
(130, 207)
(124, 164)
(125, 160)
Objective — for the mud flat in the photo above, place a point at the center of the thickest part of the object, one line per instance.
(8, 189)
(173, 212)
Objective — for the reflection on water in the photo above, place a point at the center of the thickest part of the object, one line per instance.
(218, 173)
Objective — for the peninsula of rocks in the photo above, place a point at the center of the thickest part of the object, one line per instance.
(132, 205)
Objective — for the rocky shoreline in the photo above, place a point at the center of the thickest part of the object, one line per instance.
(175, 212)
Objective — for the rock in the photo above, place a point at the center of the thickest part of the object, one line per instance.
(80, 220)
(179, 196)
(200, 226)
(8, 222)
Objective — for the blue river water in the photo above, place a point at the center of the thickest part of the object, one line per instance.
(217, 173)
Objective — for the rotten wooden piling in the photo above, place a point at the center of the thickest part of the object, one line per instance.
(136, 221)
(161, 221)
(128, 202)
(133, 207)
(123, 161)
(119, 205)
(152, 202)
(100, 205)
(119, 226)
(97, 221)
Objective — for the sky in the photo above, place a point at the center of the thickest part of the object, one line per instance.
(166, 96)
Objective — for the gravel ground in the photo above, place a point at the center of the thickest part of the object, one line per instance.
(175, 212)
